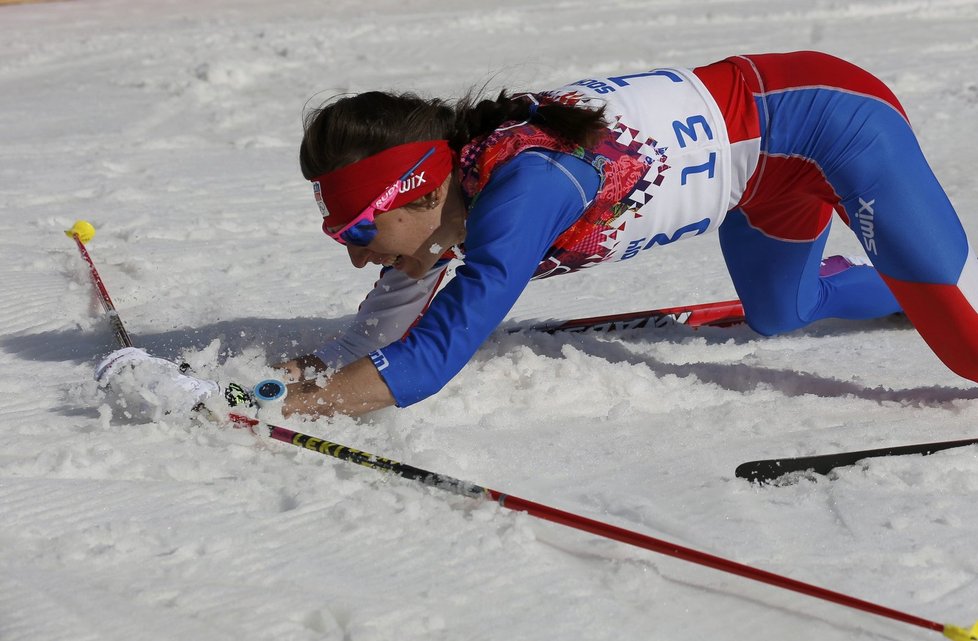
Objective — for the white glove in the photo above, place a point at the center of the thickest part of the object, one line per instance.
(146, 387)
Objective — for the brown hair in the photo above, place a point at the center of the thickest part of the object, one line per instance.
(354, 127)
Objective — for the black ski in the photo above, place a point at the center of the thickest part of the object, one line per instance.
(770, 469)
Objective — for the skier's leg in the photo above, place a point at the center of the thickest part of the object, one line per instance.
(846, 125)
(782, 286)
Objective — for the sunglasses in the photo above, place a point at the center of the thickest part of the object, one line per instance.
(361, 230)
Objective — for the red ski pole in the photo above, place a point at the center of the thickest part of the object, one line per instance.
(592, 526)
(82, 232)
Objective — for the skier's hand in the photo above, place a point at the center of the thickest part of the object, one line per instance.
(302, 368)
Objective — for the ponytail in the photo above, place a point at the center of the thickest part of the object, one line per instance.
(476, 118)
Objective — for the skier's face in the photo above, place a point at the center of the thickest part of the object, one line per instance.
(412, 240)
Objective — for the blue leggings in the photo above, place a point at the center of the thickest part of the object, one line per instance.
(834, 139)
(780, 287)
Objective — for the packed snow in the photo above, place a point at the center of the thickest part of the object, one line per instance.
(173, 127)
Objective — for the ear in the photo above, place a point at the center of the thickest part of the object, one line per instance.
(443, 188)
(436, 197)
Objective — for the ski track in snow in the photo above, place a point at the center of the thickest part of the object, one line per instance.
(173, 127)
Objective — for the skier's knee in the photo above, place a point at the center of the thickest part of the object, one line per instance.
(772, 325)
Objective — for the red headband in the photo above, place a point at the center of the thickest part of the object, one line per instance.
(345, 192)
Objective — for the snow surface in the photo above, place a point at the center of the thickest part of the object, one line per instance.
(173, 126)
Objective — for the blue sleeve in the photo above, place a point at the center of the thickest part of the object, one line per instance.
(529, 201)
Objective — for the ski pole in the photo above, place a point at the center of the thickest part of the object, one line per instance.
(599, 528)
(82, 232)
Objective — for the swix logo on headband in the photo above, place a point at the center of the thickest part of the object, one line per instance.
(413, 182)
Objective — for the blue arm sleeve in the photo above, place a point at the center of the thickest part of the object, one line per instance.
(527, 203)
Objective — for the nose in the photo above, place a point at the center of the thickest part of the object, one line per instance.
(359, 256)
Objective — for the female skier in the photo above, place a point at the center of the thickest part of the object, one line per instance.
(761, 148)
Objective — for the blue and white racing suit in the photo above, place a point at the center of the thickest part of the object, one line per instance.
(763, 149)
